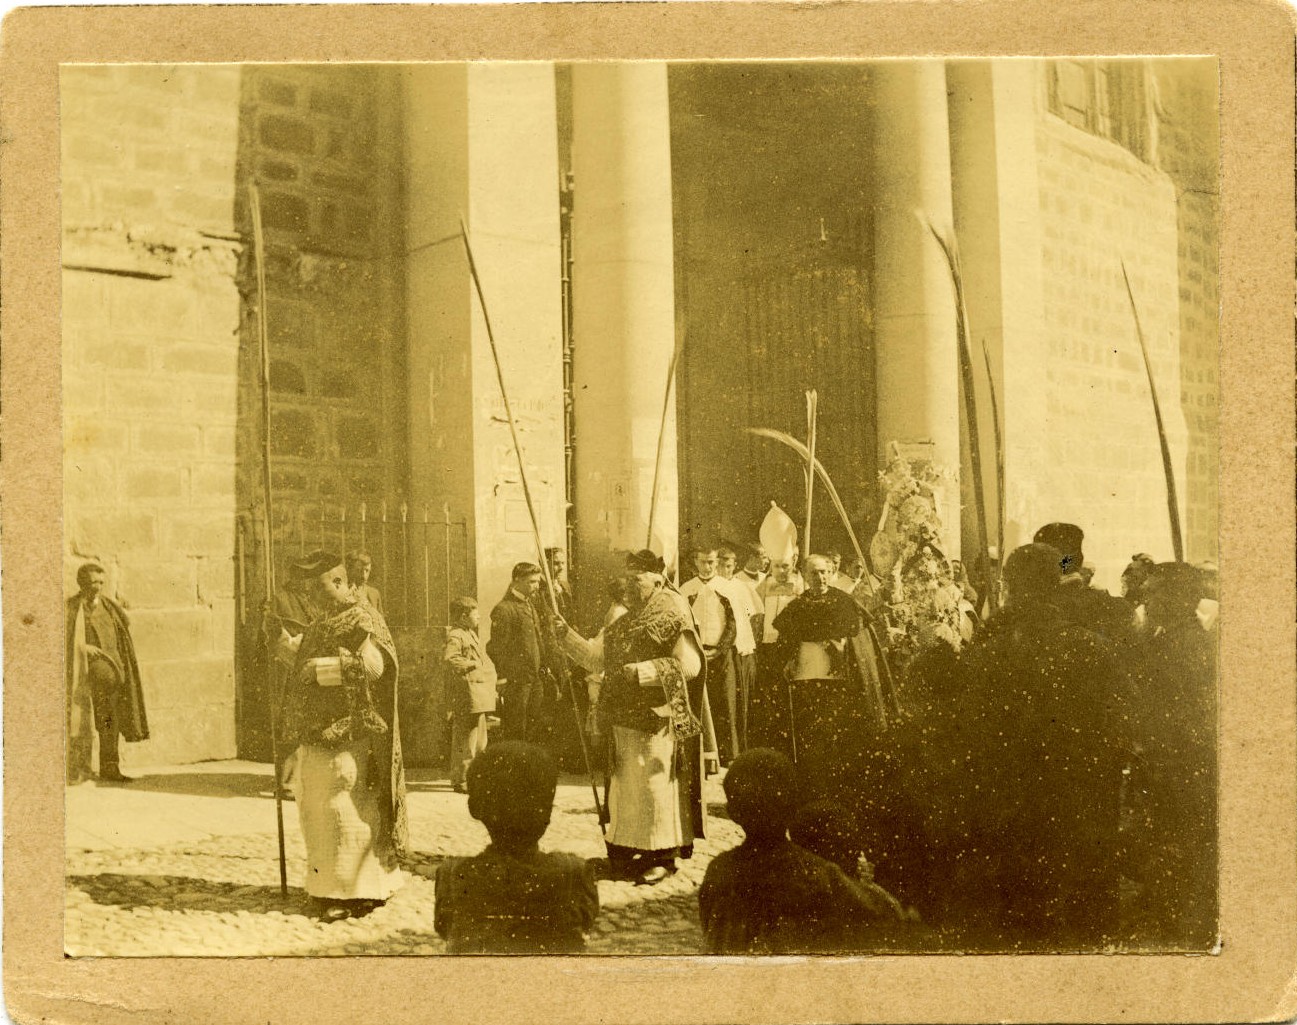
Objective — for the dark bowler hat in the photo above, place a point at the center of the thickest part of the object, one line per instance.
(317, 562)
(645, 561)
(1067, 538)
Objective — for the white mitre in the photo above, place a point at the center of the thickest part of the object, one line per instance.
(778, 535)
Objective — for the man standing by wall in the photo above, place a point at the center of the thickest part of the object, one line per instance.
(557, 559)
(516, 650)
(103, 679)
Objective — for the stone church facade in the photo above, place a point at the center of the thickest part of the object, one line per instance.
(761, 216)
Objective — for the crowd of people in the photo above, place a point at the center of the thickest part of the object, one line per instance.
(1046, 781)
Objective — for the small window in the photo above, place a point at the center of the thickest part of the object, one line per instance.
(1106, 98)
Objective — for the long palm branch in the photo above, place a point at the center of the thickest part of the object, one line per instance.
(1172, 503)
(823, 474)
(950, 251)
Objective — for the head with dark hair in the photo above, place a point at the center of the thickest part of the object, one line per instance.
(511, 788)
(359, 566)
(1134, 576)
(557, 560)
(761, 793)
(829, 830)
(84, 571)
(727, 560)
(1067, 538)
(706, 560)
(526, 579)
(1030, 574)
(1172, 592)
(463, 611)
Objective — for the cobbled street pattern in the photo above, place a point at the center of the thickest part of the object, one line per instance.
(215, 892)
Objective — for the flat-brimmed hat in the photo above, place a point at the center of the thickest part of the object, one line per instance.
(645, 561)
(317, 562)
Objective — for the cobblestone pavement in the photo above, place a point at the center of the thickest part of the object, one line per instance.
(183, 862)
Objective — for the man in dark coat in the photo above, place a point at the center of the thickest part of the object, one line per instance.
(103, 679)
(1025, 778)
(1174, 781)
(1089, 607)
(557, 727)
(517, 649)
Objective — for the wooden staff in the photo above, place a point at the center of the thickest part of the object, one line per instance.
(531, 512)
(662, 432)
(263, 337)
(812, 420)
(951, 253)
(1172, 503)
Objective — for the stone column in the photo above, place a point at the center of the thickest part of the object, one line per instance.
(623, 313)
(994, 162)
(914, 308)
(481, 142)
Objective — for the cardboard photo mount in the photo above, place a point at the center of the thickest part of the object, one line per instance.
(1250, 979)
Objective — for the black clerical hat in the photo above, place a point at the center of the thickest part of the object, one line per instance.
(317, 562)
(645, 561)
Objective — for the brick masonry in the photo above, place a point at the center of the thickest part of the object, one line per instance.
(1099, 205)
(322, 146)
(1188, 151)
(150, 351)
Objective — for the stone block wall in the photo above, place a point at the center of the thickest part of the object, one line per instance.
(321, 144)
(481, 143)
(1100, 205)
(150, 349)
(1188, 150)
(1197, 230)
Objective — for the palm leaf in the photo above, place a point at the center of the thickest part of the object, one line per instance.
(827, 481)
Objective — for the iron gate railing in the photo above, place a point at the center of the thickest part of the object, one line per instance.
(420, 557)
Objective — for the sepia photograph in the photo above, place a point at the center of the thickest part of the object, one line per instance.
(641, 507)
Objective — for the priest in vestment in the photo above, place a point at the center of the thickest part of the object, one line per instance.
(340, 715)
(654, 674)
(838, 698)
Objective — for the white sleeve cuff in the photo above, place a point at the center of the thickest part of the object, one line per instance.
(371, 660)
